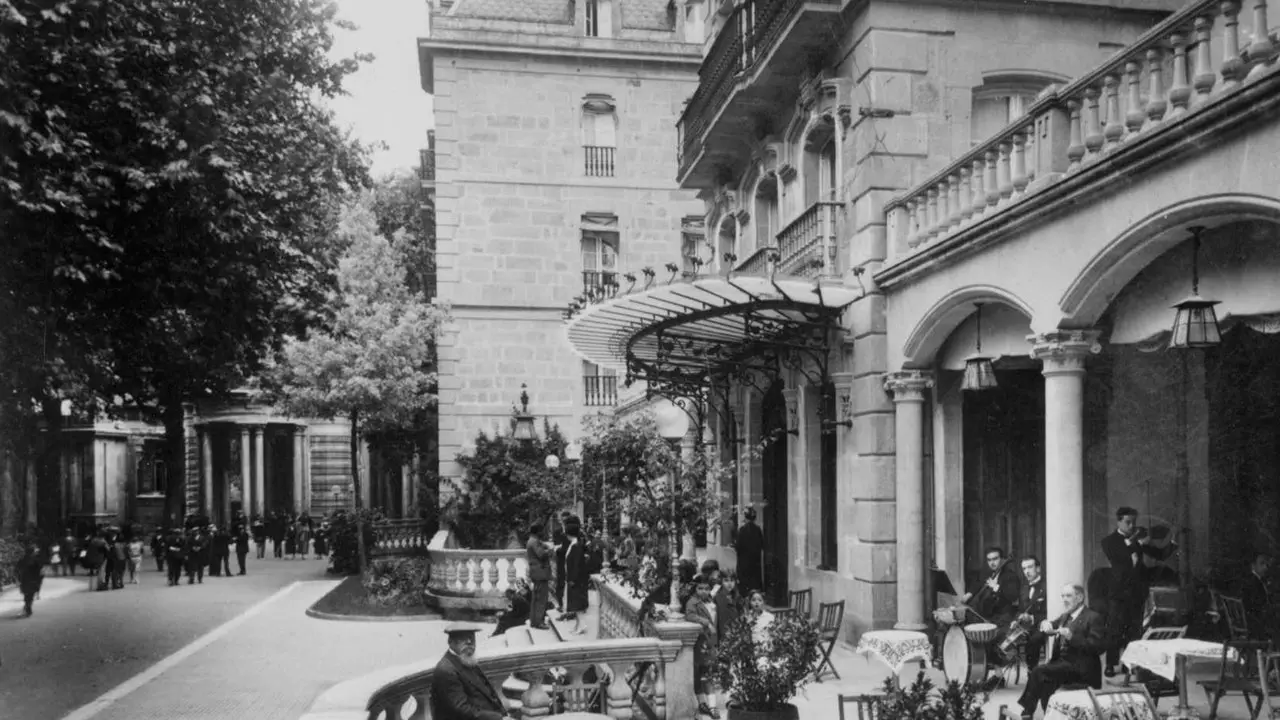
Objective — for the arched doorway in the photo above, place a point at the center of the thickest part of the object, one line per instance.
(774, 462)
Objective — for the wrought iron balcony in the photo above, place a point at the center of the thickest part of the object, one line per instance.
(599, 161)
(602, 390)
(777, 35)
(599, 284)
(427, 164)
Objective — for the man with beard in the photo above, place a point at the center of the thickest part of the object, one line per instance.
(459, 688)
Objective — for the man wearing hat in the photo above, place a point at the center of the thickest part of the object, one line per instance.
(459, 688)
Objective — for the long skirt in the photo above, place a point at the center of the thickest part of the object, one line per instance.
(576, 597)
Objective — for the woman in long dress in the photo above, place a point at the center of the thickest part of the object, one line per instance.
(577, 577)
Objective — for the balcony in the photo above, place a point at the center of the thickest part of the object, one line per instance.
(599, 284)
(427, 166)
(752, 70)
(599, 161)
(806, 247)
(602, 390)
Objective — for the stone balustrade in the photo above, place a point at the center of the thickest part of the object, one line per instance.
(1185, 65)
(619, 611)
(759, 262)
(807, 246)
(473, 580)
(620, 678)
(400, 537)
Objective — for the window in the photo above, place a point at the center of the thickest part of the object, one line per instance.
(727, 256)
(601, 385)
(599, 19)
(765, 216)
(692, 238)
(599, 135)
(1001, 99)
(153, 472)
(599, 261)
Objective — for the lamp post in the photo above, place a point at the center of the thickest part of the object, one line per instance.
(673, 425)
(524, 421)
(572, 454)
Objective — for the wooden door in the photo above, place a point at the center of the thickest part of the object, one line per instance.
(774, 521)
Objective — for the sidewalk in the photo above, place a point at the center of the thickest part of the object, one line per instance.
(50, 589)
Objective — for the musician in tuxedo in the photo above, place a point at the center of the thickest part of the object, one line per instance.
(1033, 608)
(459, 688)
(1130, 583)
(996, 599)
(1256, 598)
(1078, 637)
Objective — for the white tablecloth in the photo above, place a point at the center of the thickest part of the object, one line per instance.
(1160, 656)
(1077, 705)
(896, 648)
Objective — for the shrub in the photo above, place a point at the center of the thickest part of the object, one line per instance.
(11, 551)
(398, 582)
(343, 545)
(758, 678)
(923, 701)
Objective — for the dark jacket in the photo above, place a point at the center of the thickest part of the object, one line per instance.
(1088, 641)
(242, 541)
(1001, 605)
(462, 693)
(748, 546)
(538, 553)
(1033, 601)
(1257, 606)
(1129, 580)
(728, 610)
(29, 571)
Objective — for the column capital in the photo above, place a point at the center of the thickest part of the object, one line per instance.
(908, 385)
(1064, 351)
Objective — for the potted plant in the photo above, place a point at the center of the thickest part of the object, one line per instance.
(761, 669)
(922, 700)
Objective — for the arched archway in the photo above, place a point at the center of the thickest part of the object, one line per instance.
(920, 350)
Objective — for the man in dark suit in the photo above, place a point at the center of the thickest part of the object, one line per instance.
(996, 599)
(538, 553)
(749, 547)
(1033, 608)
(1129, 583)
(1077, 638)
(1256, 598)
(459, 688)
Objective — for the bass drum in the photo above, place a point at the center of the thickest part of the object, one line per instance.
(964, 659)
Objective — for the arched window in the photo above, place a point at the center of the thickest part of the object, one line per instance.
(765, 214)
(599, 135)
(820, 181)
(1002, 98)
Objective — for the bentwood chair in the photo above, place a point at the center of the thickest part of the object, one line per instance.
(1269, 662)
(1124, 703)
(864, 706)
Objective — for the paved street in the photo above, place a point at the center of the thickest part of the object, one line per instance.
(270, 665)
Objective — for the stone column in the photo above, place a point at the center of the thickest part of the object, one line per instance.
(298, 504)
(908, 388)
(246, 472)
(1063, 353)
(406, 489)
(259, 471)
(366, 474)
(206, 468)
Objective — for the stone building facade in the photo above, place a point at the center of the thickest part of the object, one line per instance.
(554, 126)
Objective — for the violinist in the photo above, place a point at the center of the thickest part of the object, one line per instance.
(996, 599)
(1125, 550)
(1032, 609)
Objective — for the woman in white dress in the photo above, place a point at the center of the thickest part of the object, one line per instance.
(761, 619)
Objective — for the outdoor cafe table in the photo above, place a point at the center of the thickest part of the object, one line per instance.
(896, 648)
(1169, 660)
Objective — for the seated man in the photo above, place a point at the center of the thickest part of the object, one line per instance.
(517, 612)
(1032, 608)
(1256, 598)
(459, 688)
(996, 599)
(1076, 639)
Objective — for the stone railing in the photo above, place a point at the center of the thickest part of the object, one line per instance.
(400, 537)
(618, 678)
(759, 262)
(808, 245)
(1191, 61)
(474, 580)
(619, 612)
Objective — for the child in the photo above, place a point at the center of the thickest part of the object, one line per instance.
(135, 559)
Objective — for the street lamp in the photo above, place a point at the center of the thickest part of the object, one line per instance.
(524, 421)
(673, 425)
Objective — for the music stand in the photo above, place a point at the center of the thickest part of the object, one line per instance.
(942, 583)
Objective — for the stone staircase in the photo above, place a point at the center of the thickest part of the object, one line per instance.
(558, 631)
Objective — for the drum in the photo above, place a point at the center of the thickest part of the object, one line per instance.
(982, 632)
(964, 659)
(950, 615)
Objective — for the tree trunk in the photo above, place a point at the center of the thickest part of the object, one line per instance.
(355, 486)
(175, 441)
(49, 470)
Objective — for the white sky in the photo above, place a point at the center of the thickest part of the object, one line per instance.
(386, 101)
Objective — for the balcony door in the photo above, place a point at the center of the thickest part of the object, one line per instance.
(599, 259)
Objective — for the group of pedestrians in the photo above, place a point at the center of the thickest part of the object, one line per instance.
(291, 534)
(569, 560)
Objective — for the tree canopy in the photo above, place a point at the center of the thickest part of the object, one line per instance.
(167, 191)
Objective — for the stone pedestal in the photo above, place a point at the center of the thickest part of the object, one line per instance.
(1063, 354)
(908, 388)
(681, 702)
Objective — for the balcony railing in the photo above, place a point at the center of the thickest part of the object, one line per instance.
(599, 284)
(602, 390)
(1144, 97)
(807, 247)
(427, 164)
(599, 161)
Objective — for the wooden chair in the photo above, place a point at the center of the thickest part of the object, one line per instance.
(1124, 703)
(1269, 662)
(1238, 675)
(830, 615)
(801, 601)
(864, 706)
(1232, 610)
(1156, 686)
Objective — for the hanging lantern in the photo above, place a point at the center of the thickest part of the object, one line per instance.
(979, 373)
(1195, 322)
(524, 421)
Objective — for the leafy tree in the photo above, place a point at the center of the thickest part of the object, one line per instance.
(636, 464)
(506, 481)
(168, 192)
(375, 364)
